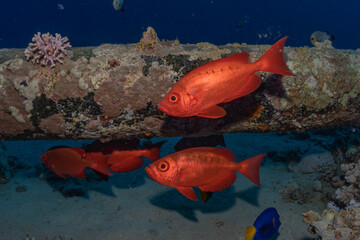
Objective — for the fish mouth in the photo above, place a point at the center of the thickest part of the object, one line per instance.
(161, 108)
(169, 111)
(151, 173)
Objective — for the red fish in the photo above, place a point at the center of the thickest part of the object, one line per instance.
(220, 81)
(127, 160)
(68, 161)
(209, 168)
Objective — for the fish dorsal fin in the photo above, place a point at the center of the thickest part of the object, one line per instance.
(78, 150)
(188, 192)
(229, 155)
(225, 180)
(250, 233)
(213, 112)
(237, 57)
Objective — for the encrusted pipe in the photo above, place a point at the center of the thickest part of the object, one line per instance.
(111, 91)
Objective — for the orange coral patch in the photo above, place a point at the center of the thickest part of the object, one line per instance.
(257, 113)
(263, 127)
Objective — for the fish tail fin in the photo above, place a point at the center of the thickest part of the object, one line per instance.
(250, 168)
(273, 60)
(153, 153)
(250, 233)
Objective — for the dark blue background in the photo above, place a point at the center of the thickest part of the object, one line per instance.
(93, 22)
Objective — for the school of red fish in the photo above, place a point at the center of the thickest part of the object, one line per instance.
(198, 93)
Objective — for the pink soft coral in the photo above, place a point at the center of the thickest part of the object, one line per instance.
(47, 49)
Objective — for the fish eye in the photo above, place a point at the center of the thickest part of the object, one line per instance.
(163, 166)
(44, 157)
(173, 98)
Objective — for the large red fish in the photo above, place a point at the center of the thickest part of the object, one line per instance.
(223, 80)
(68, 161)
(209, 168)
(127, 160)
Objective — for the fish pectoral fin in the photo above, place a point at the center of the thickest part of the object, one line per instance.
(188, 192)
(250, 233)
(224, 181)
(80, 174)
(101, 166)
(213, 112)
(251, 85)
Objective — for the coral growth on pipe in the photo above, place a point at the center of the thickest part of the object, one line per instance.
(47, 49)
(121, 85)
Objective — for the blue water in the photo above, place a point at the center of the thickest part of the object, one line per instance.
(93, 22)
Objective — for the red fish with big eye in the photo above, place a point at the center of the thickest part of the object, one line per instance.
(68, 161)
(220, 81)
(209, 168)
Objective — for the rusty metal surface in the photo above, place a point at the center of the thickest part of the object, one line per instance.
(111, 91)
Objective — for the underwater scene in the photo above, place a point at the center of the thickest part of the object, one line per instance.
(208, 119)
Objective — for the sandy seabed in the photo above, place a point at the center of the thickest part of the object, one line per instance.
(132, 206)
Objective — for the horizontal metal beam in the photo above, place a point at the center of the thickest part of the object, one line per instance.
(111, 91)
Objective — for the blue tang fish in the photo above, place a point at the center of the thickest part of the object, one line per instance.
(265, 226)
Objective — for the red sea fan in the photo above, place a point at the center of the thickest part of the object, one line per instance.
(47, 49)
